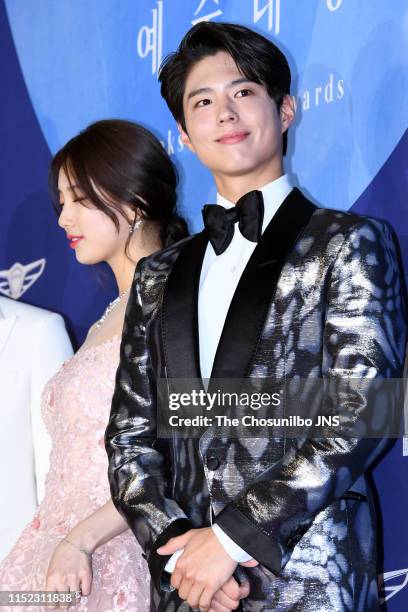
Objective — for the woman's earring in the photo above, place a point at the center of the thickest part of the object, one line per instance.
(134, 226)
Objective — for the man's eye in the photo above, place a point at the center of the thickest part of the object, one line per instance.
(243, 93)
(204, 102)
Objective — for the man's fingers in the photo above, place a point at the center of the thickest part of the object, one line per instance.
(184, 590)
(205, 599)
(174, 544)
(231, 588)
(244, 590)
(229, 595)
(176, 577)
(251, 563)
(216, 607)
(220, 597)
(194, 595)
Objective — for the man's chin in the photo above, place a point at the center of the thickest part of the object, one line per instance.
(234, 170)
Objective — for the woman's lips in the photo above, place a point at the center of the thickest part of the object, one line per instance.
(74, 240)
(233, 138)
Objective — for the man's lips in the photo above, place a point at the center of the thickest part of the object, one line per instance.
(233, 138)
(74, 240)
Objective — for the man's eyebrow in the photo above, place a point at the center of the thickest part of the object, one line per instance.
(196, 92)
(239, 81)
(202, 90)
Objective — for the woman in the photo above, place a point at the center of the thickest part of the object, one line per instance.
(115, 189)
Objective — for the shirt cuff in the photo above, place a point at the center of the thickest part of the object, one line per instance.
(171, 563)
(235, 552)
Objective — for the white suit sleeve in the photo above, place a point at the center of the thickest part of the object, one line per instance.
(50, 348)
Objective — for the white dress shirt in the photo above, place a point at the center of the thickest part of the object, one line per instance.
(219, 278)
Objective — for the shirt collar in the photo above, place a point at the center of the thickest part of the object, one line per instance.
(274, 193)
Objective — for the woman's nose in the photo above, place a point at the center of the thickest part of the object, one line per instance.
(65, 219)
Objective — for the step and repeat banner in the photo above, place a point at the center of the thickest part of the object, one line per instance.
(66, 64)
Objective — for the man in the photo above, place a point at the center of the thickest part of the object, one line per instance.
(33, 345)
(293, 292)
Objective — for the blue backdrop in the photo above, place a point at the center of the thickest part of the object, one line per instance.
(65, 64)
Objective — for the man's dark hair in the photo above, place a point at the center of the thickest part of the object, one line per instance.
(256, 57)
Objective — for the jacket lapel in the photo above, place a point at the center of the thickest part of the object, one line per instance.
(249, 306)
(255, 291)
(180, 311)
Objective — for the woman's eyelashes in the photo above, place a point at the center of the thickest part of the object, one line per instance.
(78, 200)
(84, 201)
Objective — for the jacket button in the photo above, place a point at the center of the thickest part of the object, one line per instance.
(213, 463)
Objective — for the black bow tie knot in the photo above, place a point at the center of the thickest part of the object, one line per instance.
(219, 221)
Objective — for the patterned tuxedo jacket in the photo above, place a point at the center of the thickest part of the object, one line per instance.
(322, 295)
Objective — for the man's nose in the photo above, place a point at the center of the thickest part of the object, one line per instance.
(227, 113)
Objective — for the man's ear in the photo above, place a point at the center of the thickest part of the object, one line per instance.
(185, 139)
(287, 111)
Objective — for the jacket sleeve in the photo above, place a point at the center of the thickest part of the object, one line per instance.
(364, 336)
(139, 474)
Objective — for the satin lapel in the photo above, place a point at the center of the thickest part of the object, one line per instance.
(180, 312)
(6, 325)
(254, 293)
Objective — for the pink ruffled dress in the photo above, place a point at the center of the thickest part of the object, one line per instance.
(76, 407)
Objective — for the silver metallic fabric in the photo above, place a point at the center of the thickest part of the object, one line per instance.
(304, 505)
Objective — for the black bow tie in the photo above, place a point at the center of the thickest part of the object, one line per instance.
(219, 221)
